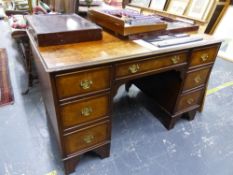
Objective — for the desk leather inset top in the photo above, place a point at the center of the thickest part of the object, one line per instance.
(79, 82)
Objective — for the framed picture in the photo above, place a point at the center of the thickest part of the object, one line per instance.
(197, 9)
(177, 6)
(157, 4)
(208, 10)
(141, 3)
(224, 31)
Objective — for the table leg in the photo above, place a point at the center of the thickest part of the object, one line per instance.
(70, 165)
(103, 151)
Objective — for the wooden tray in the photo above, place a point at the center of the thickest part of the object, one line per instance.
(62, 29)
(119, 26)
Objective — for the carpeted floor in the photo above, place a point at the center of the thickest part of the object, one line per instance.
(6, 93)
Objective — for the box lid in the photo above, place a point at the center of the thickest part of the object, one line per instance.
(62, 29)
(44, 24)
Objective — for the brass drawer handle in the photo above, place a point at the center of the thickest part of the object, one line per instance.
(86, 111)
(134, 68)
(190, 101)
(175, 59)
(88, 138)
(204, 57)
(86, 84)
(197, 79)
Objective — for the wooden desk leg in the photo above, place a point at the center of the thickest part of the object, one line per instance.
(28, 65)
(169, 122)
(103, 151)
(189, 115)
(70, 164)
(128, 85)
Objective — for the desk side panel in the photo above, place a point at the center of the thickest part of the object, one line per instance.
(45, 79)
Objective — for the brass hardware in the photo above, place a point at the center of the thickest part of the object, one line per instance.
(204, 57)
(134, 68)
(88, 138)
(197, 79)
(175, 59)
(86, 111)
(86, 84)
(190, 101)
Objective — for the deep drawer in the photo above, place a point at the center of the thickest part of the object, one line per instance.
(86, 138)
(150, 64)
(196, 78)
(76, 83)
(82, 111)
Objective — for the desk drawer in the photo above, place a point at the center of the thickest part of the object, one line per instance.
(150, 64)
(77, 83)
(189, 100)
(196, 78)
(203, 55)
(82, 111)
(86, 138)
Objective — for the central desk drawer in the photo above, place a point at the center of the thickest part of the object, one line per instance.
(150, 64)
(86, 138)
(85, 110)
(77, 83)
(196, 78)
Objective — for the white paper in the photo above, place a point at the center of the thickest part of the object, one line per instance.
(146, 44)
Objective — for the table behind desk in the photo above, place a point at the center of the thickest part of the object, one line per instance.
(79, 82)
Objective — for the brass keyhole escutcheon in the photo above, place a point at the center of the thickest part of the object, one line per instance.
(204, 57)
(175, 59)
(134, 68)
(86, 84)
(197, 79)
(88, 138)
(86, 111)
(190, 101)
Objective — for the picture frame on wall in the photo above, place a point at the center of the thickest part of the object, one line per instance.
(224, 31)
(158, 4)
(141, 3)
(197, 9)
(208, 10)
(177, 7)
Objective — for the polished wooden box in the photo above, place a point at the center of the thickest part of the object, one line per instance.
(62, 29)
(119, 25)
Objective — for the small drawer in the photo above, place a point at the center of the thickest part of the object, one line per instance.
(189, 100)
(203, 55)
(82, 111)
(150, 64)
(87, 137)
(196, 78)
(77, 83)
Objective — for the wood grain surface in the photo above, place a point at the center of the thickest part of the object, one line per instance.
(109, 49)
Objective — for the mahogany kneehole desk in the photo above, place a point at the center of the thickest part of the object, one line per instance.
(80, 80)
